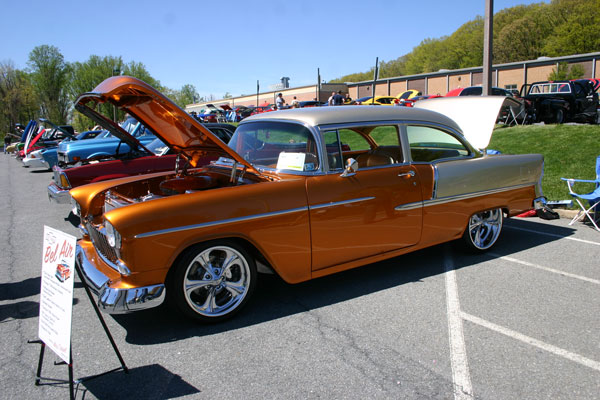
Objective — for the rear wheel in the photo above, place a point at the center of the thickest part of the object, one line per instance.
(213, 281)
(559, 116)
(483, 230)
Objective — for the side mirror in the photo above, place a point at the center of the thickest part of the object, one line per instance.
(351, 168)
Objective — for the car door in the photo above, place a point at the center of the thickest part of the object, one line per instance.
(375, 210)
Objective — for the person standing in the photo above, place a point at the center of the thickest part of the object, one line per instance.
(338, 99)
(7, 141)
(280, 101)
(330, 99)
(295, 103)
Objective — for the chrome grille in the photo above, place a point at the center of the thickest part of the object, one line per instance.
(100, 243)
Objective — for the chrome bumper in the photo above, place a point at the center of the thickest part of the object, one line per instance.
(117, 301)
(58, 195)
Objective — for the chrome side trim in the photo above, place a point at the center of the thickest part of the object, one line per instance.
(339, 203)
(450, 199)
(117, 301)
(409, 206)
(221, 222)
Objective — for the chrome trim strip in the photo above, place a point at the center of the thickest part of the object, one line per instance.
(117, 301)
(221, 222)
(409, 206)
(450, 199)
(436, 178)
(339, 203)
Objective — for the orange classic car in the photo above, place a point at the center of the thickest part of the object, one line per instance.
(302, 193)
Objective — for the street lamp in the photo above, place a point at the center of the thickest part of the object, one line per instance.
(115, 72)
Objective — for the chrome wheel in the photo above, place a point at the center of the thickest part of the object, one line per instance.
(484, 229)
(213, 281)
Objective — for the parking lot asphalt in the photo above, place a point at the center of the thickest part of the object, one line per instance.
(519, 322)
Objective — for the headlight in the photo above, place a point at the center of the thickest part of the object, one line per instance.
(76, 207)
(112, 236)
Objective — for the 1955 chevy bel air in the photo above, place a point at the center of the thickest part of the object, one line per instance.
(302, 193)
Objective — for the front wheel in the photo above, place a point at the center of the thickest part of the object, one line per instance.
(483, 230)
(213, 281)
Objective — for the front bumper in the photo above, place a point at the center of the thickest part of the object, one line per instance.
(33, 162)
(58, 194)
(117, 301)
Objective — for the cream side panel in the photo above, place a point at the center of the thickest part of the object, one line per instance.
(487, 173)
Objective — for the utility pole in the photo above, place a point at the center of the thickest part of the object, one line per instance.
(488, 27)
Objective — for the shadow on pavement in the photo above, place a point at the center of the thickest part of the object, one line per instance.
(275, 299)
(147, 382)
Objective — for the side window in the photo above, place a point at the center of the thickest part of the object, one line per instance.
(384, 147)
(332, 148)
(353, 140)
(429, 144)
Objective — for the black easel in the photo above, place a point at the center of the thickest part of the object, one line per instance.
(51, 381)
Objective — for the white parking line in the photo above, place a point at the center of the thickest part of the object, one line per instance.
(463, 390)
(554, 235)
(556, 271)
(534, 342)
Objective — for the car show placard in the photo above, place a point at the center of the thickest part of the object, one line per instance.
(56, 295)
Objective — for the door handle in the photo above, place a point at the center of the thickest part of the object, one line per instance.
(409, 174)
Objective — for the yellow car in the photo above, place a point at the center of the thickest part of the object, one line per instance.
(380, 101)
(408, 94)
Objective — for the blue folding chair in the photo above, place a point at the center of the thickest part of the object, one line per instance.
(593, 198)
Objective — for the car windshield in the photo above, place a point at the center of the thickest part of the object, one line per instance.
(157, 147)
(276, 145)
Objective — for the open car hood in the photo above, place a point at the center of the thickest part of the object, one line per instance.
(476, 115)
(176, 128)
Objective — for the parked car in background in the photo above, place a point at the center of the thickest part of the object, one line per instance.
(311, 103)
(162, 158)
(477, 91)
(562, 101)
(379, 101)
(303, 193)
(50, 156)
(71, 152)
(408, 94)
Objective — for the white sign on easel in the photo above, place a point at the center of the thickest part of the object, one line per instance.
(56, 295)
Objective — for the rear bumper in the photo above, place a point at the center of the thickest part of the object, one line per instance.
(57, 194)
(112, 300)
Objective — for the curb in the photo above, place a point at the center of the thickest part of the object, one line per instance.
(566, 213)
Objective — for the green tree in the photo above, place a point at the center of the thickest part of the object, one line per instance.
(85, 76)
(565, 72)
(17, 98)
(50, 75)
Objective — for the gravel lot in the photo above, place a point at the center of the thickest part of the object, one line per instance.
(520, 322)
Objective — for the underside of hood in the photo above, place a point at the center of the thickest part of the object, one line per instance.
(476, 115)
(176, 128)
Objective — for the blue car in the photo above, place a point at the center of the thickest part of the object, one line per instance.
(50, 155)
(107, 146)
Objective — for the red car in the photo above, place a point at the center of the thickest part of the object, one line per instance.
(68, 178)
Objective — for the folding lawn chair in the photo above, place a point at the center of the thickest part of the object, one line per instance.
(593, 198)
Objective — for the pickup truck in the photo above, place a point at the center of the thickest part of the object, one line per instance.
(561, 101)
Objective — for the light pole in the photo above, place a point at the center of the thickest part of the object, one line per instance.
(115, 72)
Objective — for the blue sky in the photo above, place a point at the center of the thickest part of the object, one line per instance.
(226, 46)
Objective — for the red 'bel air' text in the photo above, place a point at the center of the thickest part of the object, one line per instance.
(65, 251)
